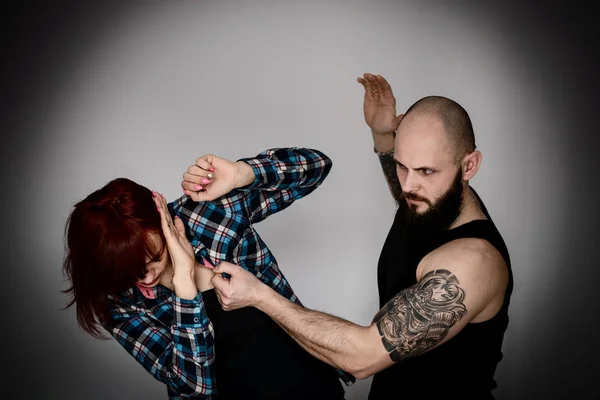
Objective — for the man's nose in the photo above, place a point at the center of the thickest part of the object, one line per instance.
(412, 182)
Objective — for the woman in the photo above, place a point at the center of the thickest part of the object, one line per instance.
(144, 279)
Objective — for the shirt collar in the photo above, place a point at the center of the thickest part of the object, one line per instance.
(141, 293)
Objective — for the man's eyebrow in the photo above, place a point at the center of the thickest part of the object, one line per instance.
(416, 169)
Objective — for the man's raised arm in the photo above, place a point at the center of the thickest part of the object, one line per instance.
(380, 115)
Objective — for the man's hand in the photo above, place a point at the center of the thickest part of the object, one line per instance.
(211, 177)
(379, 105)
(241, 289)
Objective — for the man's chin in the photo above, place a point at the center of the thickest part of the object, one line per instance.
(419, 208)
(421, 211)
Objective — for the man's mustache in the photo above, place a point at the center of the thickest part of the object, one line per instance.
(413, 196)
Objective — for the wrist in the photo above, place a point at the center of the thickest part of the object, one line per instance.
(384, 134)
(389, 152)
(184, 285)
(383, 147)
(263, 297)
(244, 175)
(383, 142)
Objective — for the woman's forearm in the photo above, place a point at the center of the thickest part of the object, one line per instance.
(184, 284)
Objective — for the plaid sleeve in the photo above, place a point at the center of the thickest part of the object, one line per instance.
(283, 175)
(253, 255)
(181, 356)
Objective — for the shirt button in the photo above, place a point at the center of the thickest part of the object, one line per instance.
(195, 319)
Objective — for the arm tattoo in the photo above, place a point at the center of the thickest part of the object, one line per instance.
(388, 165)
(418, 318)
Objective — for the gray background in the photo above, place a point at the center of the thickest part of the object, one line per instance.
(141, 89)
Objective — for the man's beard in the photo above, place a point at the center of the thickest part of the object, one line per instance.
(437, 218)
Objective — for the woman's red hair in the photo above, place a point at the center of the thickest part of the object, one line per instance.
(107, 245)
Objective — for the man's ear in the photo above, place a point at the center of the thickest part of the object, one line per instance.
(470, 164)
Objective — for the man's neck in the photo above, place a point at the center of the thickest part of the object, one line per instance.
(470, 209)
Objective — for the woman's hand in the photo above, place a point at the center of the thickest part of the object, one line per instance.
(179, 249)
(212, 177)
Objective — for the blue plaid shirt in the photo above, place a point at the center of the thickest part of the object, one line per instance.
(172, 337)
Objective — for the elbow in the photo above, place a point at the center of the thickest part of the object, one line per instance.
(325, 160)
(367, 356)
(362, 374)
(326, 170)
(192, 385)
(196, 389)
(361, 371)
(361, 367)
(328, 162)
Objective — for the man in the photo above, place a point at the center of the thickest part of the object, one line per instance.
(444, 273)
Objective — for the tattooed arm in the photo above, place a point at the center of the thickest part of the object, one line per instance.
(460, 282)
(388, 165)
(420, 317)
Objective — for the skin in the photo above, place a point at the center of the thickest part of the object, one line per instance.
(158, 271)
(424, 160)
(180, 252)
(461, 282)
(208, 178)
(162, 272)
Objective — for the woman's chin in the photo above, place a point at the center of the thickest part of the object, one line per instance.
(151, 284)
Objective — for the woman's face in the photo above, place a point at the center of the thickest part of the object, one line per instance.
(156, 268)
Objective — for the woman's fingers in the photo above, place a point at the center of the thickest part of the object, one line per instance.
(198, 176)
(205, 162)
(165, 218)
(180, 228)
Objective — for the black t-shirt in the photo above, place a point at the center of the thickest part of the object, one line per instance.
(256, 359)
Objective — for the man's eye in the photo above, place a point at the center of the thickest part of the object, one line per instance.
(428, 171)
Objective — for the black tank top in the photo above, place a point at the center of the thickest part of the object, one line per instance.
(464, 366)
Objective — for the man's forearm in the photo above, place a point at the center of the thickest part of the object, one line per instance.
(384, 146)
(310, 348)
(333, 340)
(388, 166)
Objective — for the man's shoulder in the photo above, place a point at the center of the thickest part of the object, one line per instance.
(476, 267)
(466, 256)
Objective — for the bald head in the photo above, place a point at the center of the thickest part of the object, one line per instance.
(454, 118)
